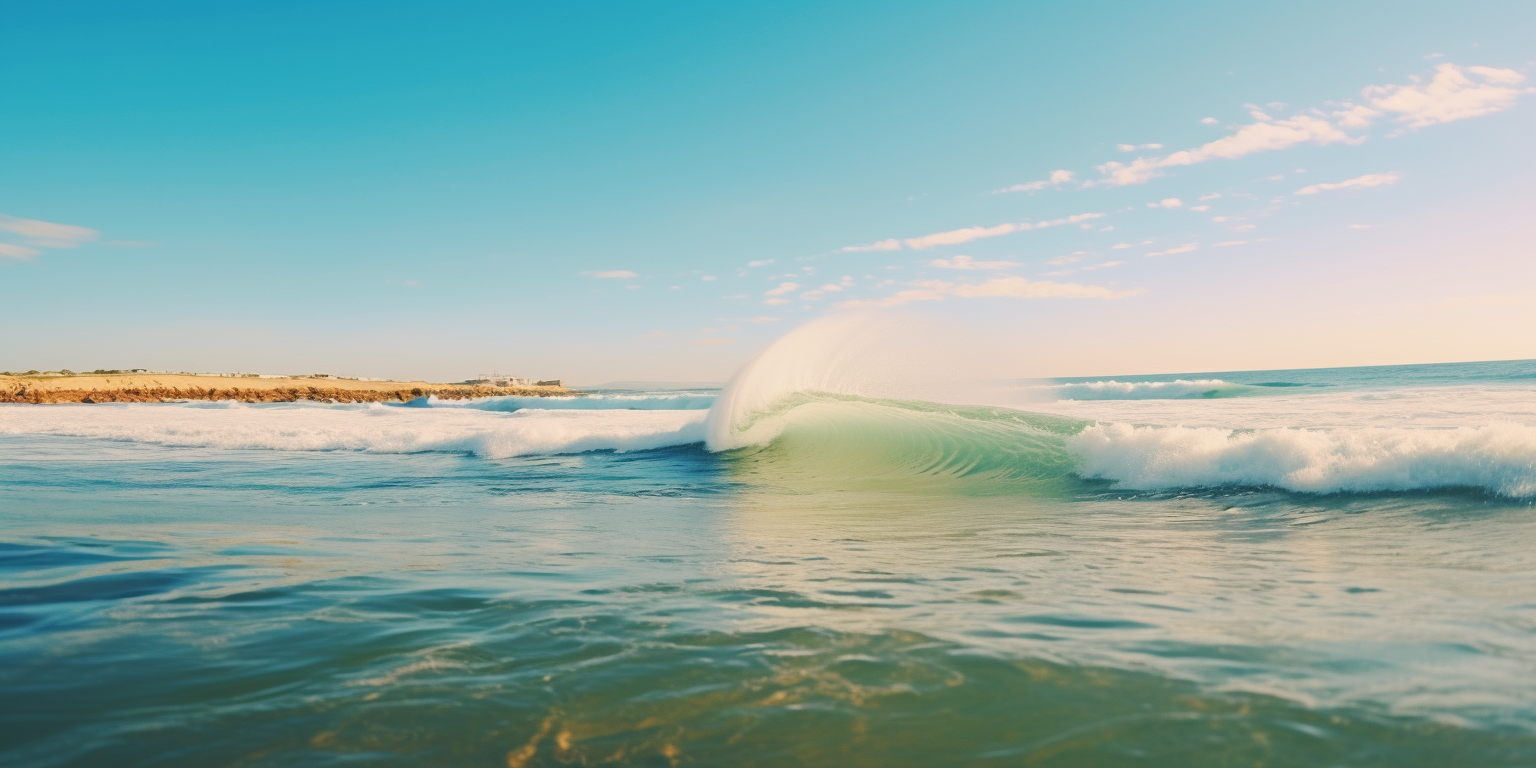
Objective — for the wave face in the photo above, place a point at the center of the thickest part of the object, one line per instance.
(824, 441)
(1498, 458)
(1177, 389)
(374, 428)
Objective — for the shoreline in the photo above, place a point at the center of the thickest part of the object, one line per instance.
(162, 388)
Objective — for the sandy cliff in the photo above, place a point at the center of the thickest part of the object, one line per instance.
(155, 388)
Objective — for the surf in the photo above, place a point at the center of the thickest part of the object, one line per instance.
(820, 405)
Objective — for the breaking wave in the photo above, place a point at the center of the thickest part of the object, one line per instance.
(810, 404)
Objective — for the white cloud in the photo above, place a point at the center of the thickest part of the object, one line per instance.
(612, 274)
(1185, 248)
(1120, 246)
(957, 236)
(1200, 208)
(1056, 179)
(46, 234)
(709, 278)
(884, 245)
(1105, 265)
(760, 263)
(1369, 180)
(17, 251)
(966, 262)
(782, 289)
(1002, 287)
(1265, 134)
(1454, 93)
(1209, 120)
(1134, 147)
(1211, 196)
(1167, 202)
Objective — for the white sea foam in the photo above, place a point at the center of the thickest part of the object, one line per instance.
(1148, 390)
(1498, 457)
(378, 429)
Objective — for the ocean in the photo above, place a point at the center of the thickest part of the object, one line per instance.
(1279, 568)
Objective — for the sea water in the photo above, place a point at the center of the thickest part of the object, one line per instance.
(1319, 567)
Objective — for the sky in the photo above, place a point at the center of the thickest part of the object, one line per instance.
(605, 191)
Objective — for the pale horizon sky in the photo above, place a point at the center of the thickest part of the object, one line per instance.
(606, 191)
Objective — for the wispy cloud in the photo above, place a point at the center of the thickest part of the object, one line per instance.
(884, 245)
(11, 251)
(1134, 147)
(1105, 265)
(1056, 179)
(712, 342)
(819, 293)
(38, 235)
(1185, 248)
(1265, 134)
(957, 236)
(1167, 202)
(46, 234)
(775, 295)
(1369, 180)
(966, 262)
(1454, 93)
(1002, 287)
(611, 274)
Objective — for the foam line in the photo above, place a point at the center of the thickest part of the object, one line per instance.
(375, 429)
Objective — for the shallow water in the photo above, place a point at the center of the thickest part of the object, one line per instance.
(882, 584)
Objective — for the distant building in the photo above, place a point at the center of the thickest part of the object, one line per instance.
(500, 380)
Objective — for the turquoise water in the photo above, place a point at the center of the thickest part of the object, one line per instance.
(1339, 573)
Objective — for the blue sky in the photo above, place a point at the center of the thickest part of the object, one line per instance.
(607, 191)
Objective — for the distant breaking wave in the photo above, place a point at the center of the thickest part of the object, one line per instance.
(1152, 390)
(670, 401)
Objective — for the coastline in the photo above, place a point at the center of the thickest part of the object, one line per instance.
(159, 388)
